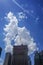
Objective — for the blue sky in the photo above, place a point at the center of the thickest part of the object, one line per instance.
(34, 21)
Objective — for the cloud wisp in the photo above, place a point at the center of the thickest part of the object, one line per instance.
(20, 35)
(21, 16)
(24, 10)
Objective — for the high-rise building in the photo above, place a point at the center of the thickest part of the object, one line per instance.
(0, 51)
(7, 60)
(41, 57)
(38, 58)
(20, 56)
(29, 60)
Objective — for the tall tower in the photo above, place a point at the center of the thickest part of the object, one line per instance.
(41, 57)
(29, 60)
(0, 51)
(7, 60)
(38, 58)
(20, 56)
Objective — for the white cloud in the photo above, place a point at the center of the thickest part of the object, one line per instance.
(9, 48)
(24, 38)
(18, 34)
(21, 16)
(11, 28)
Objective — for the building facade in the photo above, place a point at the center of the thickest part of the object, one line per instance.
(20, 56)
(29, 60)
(38, 58)
(41, 57)
(7, 60)
(0, 51)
